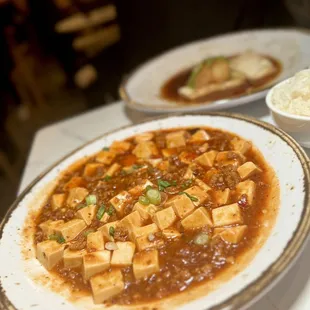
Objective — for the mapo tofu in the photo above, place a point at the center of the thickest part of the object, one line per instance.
(145, 218)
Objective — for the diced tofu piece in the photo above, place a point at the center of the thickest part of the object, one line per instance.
(95, 241)
(187, 157)
(164, 218)
(105, 218)
(169, 152)
(222, 197)
(95, 262)
(105, 229)
(71, 229)
(137, 190)
(247, 170)
(120, 201)
(106, 285)
(206, 159)
(57, 201)
(76, 195)
(49, 227)
(74, 182)
(202, 185)
(87, 214)
(93, 169)
(198, 219)
(105, 157)
(144, 230)
(171, 233)
(188, 174)
(155, 162)
(227, 215)
(240, 145)
(146, 136)
(113, 169)
(199, 193)
(120, 147)
(141, 237)
(231, 234)
(130, 221)
(199, 136)
(203, 148)
(145, 264)
(230, 158)
(73, 259)
(123, 255)
(181, 205)
(247, 188)
(164, 165)
(49, 253)
(175, 139)
(146, 212)
(145, 150)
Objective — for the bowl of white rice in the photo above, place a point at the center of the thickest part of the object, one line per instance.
(289, 103)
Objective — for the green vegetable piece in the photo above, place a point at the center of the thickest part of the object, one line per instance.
(192, 78)
(192, 198)
(111, 231)
(91, 200)
(106, 148)
(163, 184)
(144, 200)
(80, 206)
(100, 212)
(58, 238)
(154, 196)
(111, 210)
(148, 187)
(135, 166)
(107, 178)
(202, 239)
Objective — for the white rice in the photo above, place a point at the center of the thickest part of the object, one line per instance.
(294, 96)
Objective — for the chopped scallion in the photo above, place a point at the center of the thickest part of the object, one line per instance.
(201, 239)
(107, 178)
(58, 238)
(111, 210)
(192, 198)
(100, 212)
(111, 231)
(106, 148)
(135, 166)
(154, 196)
(80, 206)
(144, 200)
(91, 200)
(148, 187)
(162, 184)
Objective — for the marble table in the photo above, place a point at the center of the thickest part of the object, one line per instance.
(53, 142)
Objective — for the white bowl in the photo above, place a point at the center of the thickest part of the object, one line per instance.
(295, 125)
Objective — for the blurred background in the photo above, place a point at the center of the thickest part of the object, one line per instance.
(59, 58)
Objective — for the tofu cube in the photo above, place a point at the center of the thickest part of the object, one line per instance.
(145, 264)
(95, 262)
(146, 212)
(49, 253)
(71, 229)
(175, 139)
(105, 229)
(146, 136)
(199, 193)
(113, 169)
(222, 197)
(227, 215)
(171, 233)
(231, 234)
(105, 218)
(73, 259)
(169, 152)
(230, 158)
(119, 201)
(155, 162)
(198, 219)
(93, 170)
(74, 182)
(187, 157)
(105, 157)
(106, 285)
(200, 136)
(76, 195)
(57, 201)
(87, 214)
(247, 170)
(247, 188)
(49, 227)
(181, 205)
(240, 145)
(188, 174)
(164, 218)
(141, 237)
(123, 255)
(144, 230)
(145, 150)
(120, 147)
(131, 221)
(95, 241)
(206, 159)
(137, 190)
(202, 185)
(203, 148)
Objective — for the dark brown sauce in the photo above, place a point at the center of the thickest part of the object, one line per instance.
(169, 90)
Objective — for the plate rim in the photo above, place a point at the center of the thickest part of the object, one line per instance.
(272, 274)
(134, 104)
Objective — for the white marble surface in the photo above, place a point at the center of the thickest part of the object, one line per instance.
(51, 143)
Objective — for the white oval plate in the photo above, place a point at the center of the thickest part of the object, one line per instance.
(19, 276)
(141, 90)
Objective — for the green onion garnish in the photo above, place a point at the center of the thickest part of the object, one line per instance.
(144, 200)
(111, 210)
(80, 206)
(91, 200)
(107, 178)
(106, 148)
(148, 187)
(154, 196)
(135, 166)
(111, 231)
(100, 212)
(163, 184)
(192, 198)
(58, 238)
